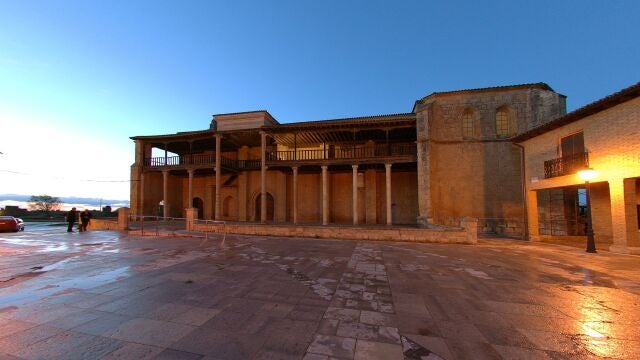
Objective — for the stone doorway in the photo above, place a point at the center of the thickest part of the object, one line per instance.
(270, 207)
(198, 204)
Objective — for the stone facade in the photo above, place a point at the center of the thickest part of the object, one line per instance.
(479, 175)
(610, 131)
(452, 157)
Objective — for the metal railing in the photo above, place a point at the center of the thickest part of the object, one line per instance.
(566, 165)
(210, 226)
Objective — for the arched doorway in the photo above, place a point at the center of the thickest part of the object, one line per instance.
(198, 204)
(269, 207)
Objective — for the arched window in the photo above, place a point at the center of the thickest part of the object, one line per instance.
(506, 124)
(468, 126)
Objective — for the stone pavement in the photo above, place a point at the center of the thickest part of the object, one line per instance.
(107, 295)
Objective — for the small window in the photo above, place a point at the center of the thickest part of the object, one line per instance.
(502, 123)
(572, 144)
(467, 125)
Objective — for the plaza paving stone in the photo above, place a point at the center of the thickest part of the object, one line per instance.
(107, 295)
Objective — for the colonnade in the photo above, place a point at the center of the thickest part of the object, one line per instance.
(263, 186)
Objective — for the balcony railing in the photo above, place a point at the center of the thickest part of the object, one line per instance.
(371, 152)
(566, 165)
(406, 150)
(200, 159)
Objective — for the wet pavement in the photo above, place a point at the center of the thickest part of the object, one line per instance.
(107, 295)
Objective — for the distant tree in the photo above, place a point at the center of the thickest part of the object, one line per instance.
(44, 203)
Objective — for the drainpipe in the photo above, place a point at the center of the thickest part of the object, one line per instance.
(525, 208)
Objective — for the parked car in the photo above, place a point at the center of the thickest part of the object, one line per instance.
(10, 223)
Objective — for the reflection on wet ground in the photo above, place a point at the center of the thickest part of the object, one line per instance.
(107, 295)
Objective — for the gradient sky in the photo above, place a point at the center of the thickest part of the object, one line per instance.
(77, 78)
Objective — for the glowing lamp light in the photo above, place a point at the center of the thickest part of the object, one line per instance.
(587, 174)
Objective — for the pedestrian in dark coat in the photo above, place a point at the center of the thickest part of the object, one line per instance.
(85, 217)
(72, 215)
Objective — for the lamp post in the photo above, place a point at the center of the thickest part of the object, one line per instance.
(587, 175)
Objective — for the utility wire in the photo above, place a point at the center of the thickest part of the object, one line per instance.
(63, 178)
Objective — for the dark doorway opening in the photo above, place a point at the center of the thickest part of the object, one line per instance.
(270, 206)
(198, 204)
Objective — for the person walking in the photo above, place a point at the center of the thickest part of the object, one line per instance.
(85, 217)
(71, 219)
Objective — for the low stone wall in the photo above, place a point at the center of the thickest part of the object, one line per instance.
(465, 235)
(510, 227)
(103, 224)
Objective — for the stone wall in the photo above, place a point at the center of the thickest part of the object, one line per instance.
(103, 224)
(480, 175)
(466, 235)
(611, 138)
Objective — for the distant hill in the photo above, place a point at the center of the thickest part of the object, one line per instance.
(70, 200)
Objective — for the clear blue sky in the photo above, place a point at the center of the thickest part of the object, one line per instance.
(112, 69)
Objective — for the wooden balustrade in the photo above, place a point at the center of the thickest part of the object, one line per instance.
(328, 153)
(336, 153)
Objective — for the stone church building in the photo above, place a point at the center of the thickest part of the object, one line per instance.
(452, 156)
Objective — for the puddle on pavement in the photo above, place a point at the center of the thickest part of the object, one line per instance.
(87, 282)
(56, 265)
(28, 242)
(54, 248)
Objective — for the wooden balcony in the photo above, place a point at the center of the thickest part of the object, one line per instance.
(380, 153)
(566, 165)
(405, 152)
(199, 161)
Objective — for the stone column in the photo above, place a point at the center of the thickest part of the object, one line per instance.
(532, 214)
(263, 178)
(325, 197)
(218, 177)
(242, 186)
(190, 200)
(423, 164)
(192, 216)
(623, 215)
(141, 205)
(123, 218)
(165, 154)
(142, 154)
(295, 194)
(354, 202)
(387, 168)
(165, 193)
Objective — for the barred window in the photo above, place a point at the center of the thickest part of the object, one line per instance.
(502, 123)
(467, 125)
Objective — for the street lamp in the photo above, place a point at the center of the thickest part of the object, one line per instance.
(587, 175)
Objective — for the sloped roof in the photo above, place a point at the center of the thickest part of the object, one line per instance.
(360, 120)
(539, 85)
(597, 106)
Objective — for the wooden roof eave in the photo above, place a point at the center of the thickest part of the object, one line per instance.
(186, 136)
(330, 125)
